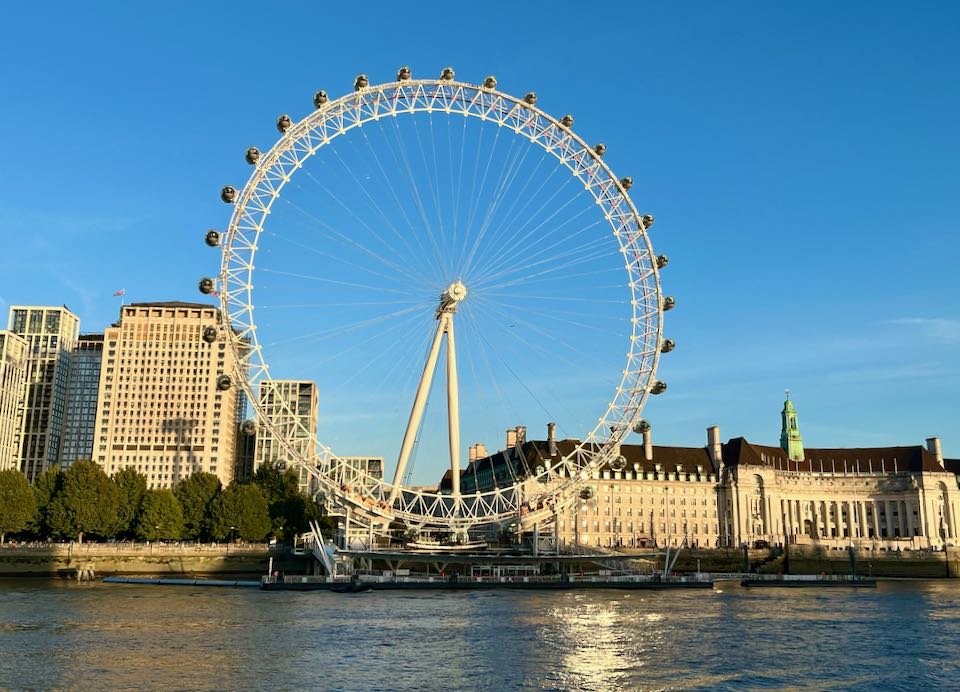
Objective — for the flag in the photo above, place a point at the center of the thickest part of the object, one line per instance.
(121, 292)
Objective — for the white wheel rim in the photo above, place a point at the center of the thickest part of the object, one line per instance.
(369, 498)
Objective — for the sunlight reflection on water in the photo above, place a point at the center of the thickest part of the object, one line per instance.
(60, 636)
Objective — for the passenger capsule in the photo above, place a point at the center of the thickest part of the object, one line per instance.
(662, 261)
(249, 427)
(669, 303)
(626, 183)
(361, 82)
(284, 123)
(212, 238)
(252, 156)
(209, 334)
(600, 149)
(588, 492)
(224, 382)
(206, 285)
(403, 74)
(667, 345)
(618, 463)
(647, 220)
(567, 120)
(490, 82)
(658, 387)
(320, 98)
(641, 426)
(530, 98)
(447, 74)
(228, 194)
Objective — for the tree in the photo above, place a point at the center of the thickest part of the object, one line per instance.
(131, 487)
(290, 509)
(87, 503)
(240, 511)
(161, 517)
(196, 493)
(45, 488)
(18, 506)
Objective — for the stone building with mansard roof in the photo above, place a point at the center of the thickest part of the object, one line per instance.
(738, 492)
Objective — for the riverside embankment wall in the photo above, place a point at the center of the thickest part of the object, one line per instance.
(877, 563)
(64, 559)
(814, 559)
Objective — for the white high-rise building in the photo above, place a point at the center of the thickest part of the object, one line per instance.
(13, 357)
(51, 335)
(291, 408)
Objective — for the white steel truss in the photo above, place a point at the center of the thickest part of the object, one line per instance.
(372, 499)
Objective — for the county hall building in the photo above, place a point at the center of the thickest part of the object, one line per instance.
(739, 492)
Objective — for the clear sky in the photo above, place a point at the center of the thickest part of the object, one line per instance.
(802, 161)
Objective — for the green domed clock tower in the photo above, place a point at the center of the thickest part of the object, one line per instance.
(790, 439)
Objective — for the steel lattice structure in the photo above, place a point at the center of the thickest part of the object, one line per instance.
(374, 500)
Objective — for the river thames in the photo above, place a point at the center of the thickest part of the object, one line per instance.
(58, 635)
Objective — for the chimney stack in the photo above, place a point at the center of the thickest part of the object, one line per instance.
(521, 434)
(648, 445)
(933, 446)
(713, 446)
(552, 439)
(511, 438)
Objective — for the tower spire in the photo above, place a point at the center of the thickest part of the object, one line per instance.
(790, 439)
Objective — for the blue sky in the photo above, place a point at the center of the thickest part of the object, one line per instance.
(802, 162)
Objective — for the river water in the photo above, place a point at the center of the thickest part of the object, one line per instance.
(902, 635)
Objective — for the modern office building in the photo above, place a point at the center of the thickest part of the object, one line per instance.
(169, 404)
(361, 470)
(13, 361)
(51, 335)
(291, 408)
(738, 492)
(80, 414)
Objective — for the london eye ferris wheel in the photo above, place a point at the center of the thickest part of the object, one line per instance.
(428, 231)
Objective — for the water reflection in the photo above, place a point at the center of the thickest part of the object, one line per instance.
(124, 637)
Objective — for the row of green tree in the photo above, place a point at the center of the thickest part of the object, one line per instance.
(84, 501)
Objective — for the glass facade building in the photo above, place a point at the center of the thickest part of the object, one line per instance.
(81, 401)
